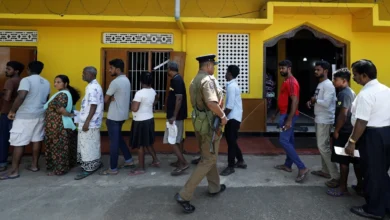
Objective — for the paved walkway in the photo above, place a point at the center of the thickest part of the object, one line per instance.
(260, 192)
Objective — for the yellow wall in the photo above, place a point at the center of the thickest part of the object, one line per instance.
(68, 50)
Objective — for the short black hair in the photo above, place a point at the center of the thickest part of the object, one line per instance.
(118, 63)
(234, 70)
(286, 63)
(36, 67)
(364, 66)
(324, 64)
(17, 66)
(146, 78)
(343, 73)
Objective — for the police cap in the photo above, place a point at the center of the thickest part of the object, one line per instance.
(207, 58)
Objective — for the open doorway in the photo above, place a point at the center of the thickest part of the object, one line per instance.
(22, 54)
(303, 47)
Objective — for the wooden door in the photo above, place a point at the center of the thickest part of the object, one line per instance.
(180, 59)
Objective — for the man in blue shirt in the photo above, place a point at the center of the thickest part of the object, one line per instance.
(233, 110)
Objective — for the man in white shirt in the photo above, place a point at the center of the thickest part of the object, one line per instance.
(28, 117)
(324, 101)
(233, 110)
(371, 135)
(118, 99)
(91, 116)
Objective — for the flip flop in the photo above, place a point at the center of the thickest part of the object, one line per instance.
(136, 172)
(108, 172)
(127, 166)
(283, 167)
(178, 171)
(8, 177)
(321, 174)
(302, 177)
(29, 168)
(337, 193)
(155, 164)
(2, 169)
(332, 183)
(173, 164)
(82, 175)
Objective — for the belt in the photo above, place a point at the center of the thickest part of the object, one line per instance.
(372, 128)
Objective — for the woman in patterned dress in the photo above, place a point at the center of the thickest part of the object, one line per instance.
(60, 131)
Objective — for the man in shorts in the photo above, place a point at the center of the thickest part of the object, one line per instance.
(28, 117)
(176, 114)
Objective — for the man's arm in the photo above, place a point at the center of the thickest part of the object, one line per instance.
(294, 107)
(19, 100)
(329, 97)
(341, 119)
(109, 97)
(229, 100)
(179, 99)
(92, 111)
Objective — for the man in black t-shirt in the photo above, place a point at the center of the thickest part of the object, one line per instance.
(176, 114)
(342, 132)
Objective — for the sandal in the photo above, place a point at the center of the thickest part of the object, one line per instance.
(283, 167)
(333, 183)
(174, 164)
(127, 166)
(2, 169)
(302, 177)
(82, 175)
(155, 164)
(108, 172)
(321, 174)
(31, 169)
(8, 177)
(337, 193)
(136, 172)
(178, 171)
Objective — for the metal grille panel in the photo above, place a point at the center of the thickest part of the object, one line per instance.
(18, 36)
(137, 38)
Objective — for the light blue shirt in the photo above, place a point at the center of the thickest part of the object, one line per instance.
(233, 100)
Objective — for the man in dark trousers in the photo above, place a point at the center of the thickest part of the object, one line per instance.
(371, 135)
(233, 110)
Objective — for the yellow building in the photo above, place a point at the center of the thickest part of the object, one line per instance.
(67, 35)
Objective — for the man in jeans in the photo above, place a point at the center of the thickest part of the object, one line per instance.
(28, 117)
(118, 96)
(288, 107)
(176, 114)
(12, 71)
(324, 101)
(233, 111)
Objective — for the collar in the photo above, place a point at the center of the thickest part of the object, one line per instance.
(175, 75)
(93, 81)
(231, 81)
(372, 83)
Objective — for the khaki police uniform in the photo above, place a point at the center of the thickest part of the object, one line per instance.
(203, 89)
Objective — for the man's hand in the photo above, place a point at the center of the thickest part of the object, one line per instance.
(350, 149)
(287, 124)
(112, 99)
(308, 104)
(313, 100)
(171, 120)
(86, 127)
(224, 120)
(11, 115)
(336, 135)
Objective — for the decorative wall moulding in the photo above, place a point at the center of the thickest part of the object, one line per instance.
(233, 49)
(18, 36)
(137, 38)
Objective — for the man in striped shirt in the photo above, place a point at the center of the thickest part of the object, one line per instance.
(288, 107)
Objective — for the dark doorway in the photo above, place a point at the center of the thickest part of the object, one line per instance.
(303, 47)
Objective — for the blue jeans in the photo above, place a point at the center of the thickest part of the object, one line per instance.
(5, 127)
(116, 142)
(286, 139)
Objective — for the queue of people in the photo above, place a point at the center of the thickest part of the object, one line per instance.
(30, 115)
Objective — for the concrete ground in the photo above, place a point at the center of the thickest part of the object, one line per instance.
(259, 192)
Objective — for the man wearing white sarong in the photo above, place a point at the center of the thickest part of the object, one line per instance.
(91, 115)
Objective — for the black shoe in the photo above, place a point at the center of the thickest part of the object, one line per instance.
(227, 171)
(187, 207)
(358, 210)
(195, 161)
(241, 165)
(222, 189)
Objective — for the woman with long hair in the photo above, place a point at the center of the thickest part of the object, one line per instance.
(142, 127)
(60, 131)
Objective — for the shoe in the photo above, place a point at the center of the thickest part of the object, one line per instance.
(227, 171)
(195, 161)
(241, 165)
(222, 188)
(358, 210)
(187, 207)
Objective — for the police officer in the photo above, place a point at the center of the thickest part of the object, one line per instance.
(205, 99)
